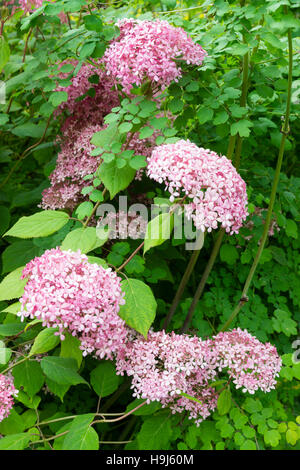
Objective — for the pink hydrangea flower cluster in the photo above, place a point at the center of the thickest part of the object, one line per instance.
(7, 392)
(251, 364)
(73, 163)
(217, 192)
(166, 367)
(66, 291)
(29, 5)
(150, 50)
(91, 109)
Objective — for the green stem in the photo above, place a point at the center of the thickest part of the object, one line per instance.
(285, 131)
(14, 365)
(202, 283)
(181, 288)
(243, 102)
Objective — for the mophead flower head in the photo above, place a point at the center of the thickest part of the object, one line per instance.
(216, 191)
(150, 51)
(7, 394)
(166, 367)
(65, 291)
(252, 365)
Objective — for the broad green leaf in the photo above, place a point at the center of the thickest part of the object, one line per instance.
(62, 370)
(15, 441)
(204, 115)
(81, 435)
(11, 329)
(28, 377)
(229, 254)
(158, 230)
(272, 437)
(4, 52)
(115, 179)
(84, 239)
(45, 341)
(58, 97)
(13, 424)
(241, 127)
(104, 379)
(18, 254)
(155, 433)
(70, 347)
(93, 23)
(105, 137)
(58, 389)
(5, 354)
(224, 402)
(40, 224)
(140, 306)
(12, 286)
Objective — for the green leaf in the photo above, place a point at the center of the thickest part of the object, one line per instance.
(104, 379)
(158, 230)
(272, 437)
(70, 347)
(84, 239)
(61, 370)
(58, 97)
(58, 389)
(155, 433)
(81, 435)
(140, 307)
(45, 341)
(15, 441)
(13, 423)
(221, 118)
(4, 52)
(125, 127)
(28, 377)
(115, 179)
(248, 445)
(204, 115)
(84, 209)
(5, 353)
(224, 402)
(87, 50)
(105, 137)
(291, 228)
(93, 23)
(229, 254)
(18, 254)
(11, 329)
(12, 286)
(40, 224)
(29, 129)
(241, 127)
(146, 132)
